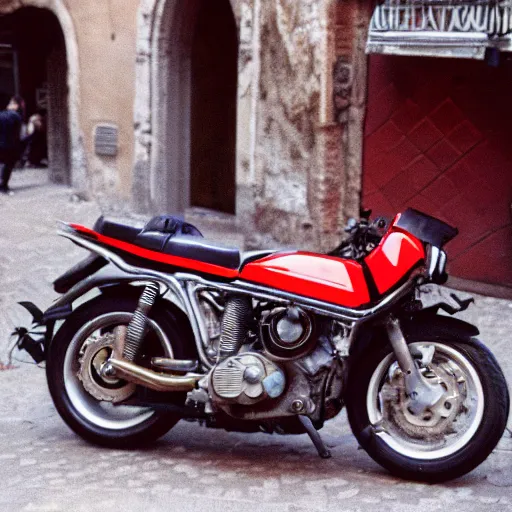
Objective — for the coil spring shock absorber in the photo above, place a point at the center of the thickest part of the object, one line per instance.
(137, 326)
(235, 323)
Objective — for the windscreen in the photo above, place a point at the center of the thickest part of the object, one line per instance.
(426, 228)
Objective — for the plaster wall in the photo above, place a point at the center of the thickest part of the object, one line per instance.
(299, 115)
(299, 120)
(106, 36)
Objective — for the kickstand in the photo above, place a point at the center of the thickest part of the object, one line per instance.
(313, 434)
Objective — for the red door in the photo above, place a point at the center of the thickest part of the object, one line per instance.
(438, 137)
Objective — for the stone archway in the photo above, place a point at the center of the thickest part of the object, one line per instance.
(186, 121)
(50, 44)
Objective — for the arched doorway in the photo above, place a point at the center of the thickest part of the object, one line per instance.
(196, 90)
(34, 65)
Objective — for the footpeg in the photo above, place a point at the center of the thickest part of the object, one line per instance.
(313, 434)
(174, 365)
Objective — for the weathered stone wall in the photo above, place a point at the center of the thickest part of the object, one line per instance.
(301, 99)
(306, 178)
(301, 94)
(288, 112)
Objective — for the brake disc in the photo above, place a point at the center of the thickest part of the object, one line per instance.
(436, 421)
(93, 356)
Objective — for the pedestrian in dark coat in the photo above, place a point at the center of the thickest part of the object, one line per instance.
(10, 143)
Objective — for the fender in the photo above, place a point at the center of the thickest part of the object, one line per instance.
(80, 271)
(427, 324)
(103, 279)
(108, 280)
(437, 327)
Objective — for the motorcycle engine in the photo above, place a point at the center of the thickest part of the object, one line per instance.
(246, 379)
(289, 369)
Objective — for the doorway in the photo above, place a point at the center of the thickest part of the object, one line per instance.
(195, 112)
(34, 66)
(213, 108)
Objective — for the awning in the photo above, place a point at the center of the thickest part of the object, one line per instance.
(436, 28)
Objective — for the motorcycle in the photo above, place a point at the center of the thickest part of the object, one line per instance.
(159, 324)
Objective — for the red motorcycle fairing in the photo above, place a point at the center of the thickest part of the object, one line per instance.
(396, 255)
(320, 277)
(325, 278)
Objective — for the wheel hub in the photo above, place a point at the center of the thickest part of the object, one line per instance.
(434, 422)
(95, 372)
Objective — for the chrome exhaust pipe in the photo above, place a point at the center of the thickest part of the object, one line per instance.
(158, 381)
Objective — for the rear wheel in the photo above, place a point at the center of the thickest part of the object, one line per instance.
(446, 440)
(84, 397)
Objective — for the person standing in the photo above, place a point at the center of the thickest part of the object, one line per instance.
(35, 146)
(11, 120)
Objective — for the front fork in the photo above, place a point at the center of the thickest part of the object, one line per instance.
(422, 393)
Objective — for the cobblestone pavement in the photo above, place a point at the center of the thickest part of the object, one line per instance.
(45, 467)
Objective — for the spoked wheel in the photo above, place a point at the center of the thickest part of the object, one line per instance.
(86, 396)
(445, 440)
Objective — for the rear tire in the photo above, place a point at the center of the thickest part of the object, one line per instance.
(99, 422)
(404, 451)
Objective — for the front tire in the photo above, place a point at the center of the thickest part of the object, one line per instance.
(99, 421)
(443, 443)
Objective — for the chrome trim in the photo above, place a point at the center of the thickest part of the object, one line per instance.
(436, 263)
(442, 262)
(423, 393)
(192, 291)
(346, 315)
(207, 296)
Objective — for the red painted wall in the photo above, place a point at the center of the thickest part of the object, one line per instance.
(438, 137)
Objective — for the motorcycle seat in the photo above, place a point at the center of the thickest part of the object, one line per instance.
(170, 235)
(198, 248)
(123, 232)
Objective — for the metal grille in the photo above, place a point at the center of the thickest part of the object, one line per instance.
(106, 140)
(228, 381)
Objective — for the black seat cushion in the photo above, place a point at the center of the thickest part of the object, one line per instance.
(123, 232)
(197, 248)
(173, 236)
(170, 225)
(159, 230)
(250, 256)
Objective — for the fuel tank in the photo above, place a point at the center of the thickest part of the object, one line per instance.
(317, 276)
(392, 260)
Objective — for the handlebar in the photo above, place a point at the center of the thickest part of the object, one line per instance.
(363, 236)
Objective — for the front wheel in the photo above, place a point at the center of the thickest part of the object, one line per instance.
(446, 440)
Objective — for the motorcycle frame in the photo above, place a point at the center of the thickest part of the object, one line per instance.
(184, 287)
